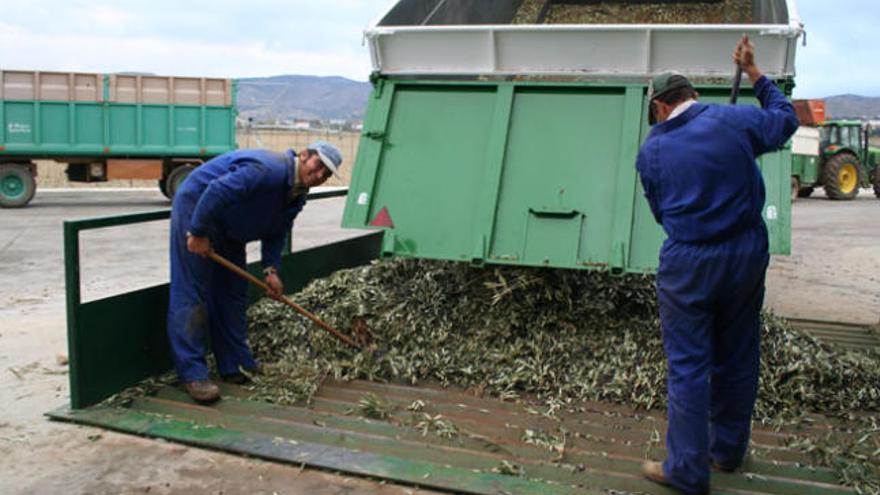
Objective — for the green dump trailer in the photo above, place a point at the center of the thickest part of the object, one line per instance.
(110, 126)
(504, 162)
(489, 142)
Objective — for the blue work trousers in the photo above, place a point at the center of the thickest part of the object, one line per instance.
(206, 299)
(710, 297)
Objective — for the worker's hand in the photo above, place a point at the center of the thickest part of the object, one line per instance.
(198, 245)
(276, 286)
(744, 56)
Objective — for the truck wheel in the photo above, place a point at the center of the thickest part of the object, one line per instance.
(163, 186)
(176, 178)
(806, 192)
(841, 177)
(17, 185)
(795, 188)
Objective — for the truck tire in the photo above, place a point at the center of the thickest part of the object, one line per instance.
(795, 188)
(841, 177)
(163, 186)
(17, 185)
(176, 178)
(806, 192)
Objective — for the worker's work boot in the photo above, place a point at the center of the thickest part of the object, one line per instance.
(723, 468)
(202, 391)
(654, 472)
(727, 467)
(241, 378)
(235, 378)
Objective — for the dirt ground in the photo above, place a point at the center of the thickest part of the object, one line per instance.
(832, 274)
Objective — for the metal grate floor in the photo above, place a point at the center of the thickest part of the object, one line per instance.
(601, 452)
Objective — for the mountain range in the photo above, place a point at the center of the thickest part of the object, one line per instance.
(853, 107)
(302, 98)
(292, 97)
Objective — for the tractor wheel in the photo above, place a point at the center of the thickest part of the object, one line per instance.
(841, 177)
(17, 185)
(176, 178)
(806, 192)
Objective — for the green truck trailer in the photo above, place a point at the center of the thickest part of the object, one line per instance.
(110, 126)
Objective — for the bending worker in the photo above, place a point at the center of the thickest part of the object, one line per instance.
(703, 185)
(234, 199)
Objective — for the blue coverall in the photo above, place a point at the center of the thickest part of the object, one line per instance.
(233, 199)
(704, 187)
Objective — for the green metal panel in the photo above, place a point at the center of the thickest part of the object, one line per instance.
(19, 124)
(54, 121)
(123, 126)
(155, 125)
(186, 126)
(806, 168)
(218, 127)
(89, 125)
(525, 173)
(434, 162)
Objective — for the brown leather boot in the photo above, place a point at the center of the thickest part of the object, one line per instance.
(202, 391)
(654, 472)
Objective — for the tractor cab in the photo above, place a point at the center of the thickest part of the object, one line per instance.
(838, 136)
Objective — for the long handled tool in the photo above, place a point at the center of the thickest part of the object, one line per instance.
(296, 307)
(737, 80)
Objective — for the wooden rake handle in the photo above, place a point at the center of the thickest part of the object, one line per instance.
(296, 307)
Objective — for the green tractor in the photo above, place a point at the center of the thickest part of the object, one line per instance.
(836, 156)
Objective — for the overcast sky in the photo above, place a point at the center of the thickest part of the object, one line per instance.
(223, 38)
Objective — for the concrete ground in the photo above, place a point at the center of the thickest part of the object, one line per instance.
(832, 274)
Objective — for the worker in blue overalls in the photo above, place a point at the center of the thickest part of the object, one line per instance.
(704, 187)
(236, 198)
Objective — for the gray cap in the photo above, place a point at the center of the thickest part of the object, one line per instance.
(329, 154)
(667, 82)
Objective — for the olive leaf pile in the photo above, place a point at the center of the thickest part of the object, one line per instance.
(544, 332)
(619, 12)
(547, 334)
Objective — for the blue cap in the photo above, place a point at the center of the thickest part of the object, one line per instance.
(330, 155)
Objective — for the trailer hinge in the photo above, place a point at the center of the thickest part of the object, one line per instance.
(376, 135)
(378, 85)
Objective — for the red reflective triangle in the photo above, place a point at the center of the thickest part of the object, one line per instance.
(383, 219)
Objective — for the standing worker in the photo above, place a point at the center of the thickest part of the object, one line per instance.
(236, 198)
(701, 180)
